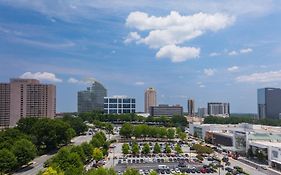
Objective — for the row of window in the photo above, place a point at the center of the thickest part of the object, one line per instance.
(115, 111)
(120, 106)
(114, 100)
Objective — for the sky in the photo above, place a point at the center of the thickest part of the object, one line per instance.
(210, 51)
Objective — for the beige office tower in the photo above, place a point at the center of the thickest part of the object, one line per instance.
(149, 99)
(25, 98)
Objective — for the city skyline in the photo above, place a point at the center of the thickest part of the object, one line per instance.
(67, 44)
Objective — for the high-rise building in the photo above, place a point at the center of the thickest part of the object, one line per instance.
(166, 110)
(190, 107)
(202, 112)
(119, 105)
(92, 99)
(269, 103)
(218, 109)
(149, 99)
(26, 98)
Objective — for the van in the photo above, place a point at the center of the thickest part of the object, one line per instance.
(162, 167)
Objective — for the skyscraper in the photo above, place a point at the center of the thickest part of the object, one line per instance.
(119, 105)
(26, 98)
(190, 107)
(218, 109)
(149, 99)
(92, 99)
(269, 103)
(202, 112)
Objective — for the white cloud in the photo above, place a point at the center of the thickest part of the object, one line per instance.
(178, 54)
(264, 77)
(202, 86)
(176, 28)
(73, 80)
(213, 54)
(44, 76)
(232, 53)
(209, 72)
(246, 50)
(139, 83)
(166, 33)
(233, 69)
(133, 36)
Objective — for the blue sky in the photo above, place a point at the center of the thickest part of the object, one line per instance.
(206, 50)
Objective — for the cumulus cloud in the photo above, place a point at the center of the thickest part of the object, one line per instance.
(44, 76)
(264, 77)
(139, 83)
(213, 54)
(209, 72)
(233, 69)
(178, 54)
(73, 80)
(246, 50)
(174, 29)
(133, 36)
(232, 53)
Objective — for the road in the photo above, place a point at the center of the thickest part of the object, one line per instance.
(39, 161)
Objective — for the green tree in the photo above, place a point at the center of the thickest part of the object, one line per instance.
(126, 130)
(101, 171)
(75, 123)
(97, 154)
(146, 148)
(157, 148)
(88, 150)
(25, 124)
(135, 148)
(178, 149)
(52, 171)
(182, 136)
(168, 149)
(131, 171)
(69, 162)
(171, 133)
(79, 150)
(8, 161)
(125, 148)
(24, 151)
(153, 173)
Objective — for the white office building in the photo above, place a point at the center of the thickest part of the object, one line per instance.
(218, 109)
(119, 105)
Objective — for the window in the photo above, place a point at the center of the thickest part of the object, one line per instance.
(106, 100)
(133, 100)
(112, 100)
(127, 100)
(274, 154)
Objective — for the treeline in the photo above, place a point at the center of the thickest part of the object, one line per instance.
(236, 120)
(139, 131)
(34, 136)
(177, 121)
(70, 160)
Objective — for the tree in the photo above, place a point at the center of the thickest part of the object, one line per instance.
(69, 162)
(52, 171)
(157, 148)
(125, 148)
(80, 152)
(126, 130)
(135, 148)
(182, 136)
(178, 149)
(25, 124)
(75, 123)
(131, 171)
(153, 173)
(97, 154)
(146, 148)
(168, 149)
(88, 150)
(171, 133)
(8, 161)
(24, 151)
(101, 171)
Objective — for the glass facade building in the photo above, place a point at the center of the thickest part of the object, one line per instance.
(269, 103)
(92, 99)
(119, 105)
